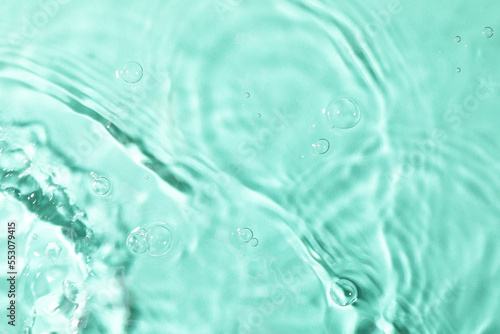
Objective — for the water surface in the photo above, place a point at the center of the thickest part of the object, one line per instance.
(231, 166)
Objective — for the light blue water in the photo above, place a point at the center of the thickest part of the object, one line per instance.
(226, 166)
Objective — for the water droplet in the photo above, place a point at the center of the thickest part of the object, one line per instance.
(487, 32)
(245, 234)
(136, 241)
(253, 242)
(321, 146)
(101, 186)
(258, 115)
(458, 70)
(247, 95)
(159, 239)
(52, 251)
(458, 39)
(70, 290)
(131, 72)
(343, 292)
(343, 113)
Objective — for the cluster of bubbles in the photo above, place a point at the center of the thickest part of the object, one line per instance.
(156, 240)
(246, 235)
(101, 185)
(342, 113)
(343, 292)
(487, 33)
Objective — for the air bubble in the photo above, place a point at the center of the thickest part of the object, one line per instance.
(136, 241)
(159, 239)
(247, 95)
(131, 72)
(458, 39)
(487, 32)
(343, 292)
(52, 251)
(458, 70)
(259, 115)
(253, 242)
(101, 186)
(343, 113)
(245, 234)
(321, 146)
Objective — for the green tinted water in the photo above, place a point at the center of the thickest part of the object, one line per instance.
(227, 166)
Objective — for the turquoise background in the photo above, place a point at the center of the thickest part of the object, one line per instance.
(218, 135)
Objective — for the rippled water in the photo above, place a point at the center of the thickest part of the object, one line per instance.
(231, 166)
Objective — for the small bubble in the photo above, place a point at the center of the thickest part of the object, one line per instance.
(487, 32)
(343, 292)
(101, 186)
(458, 69)
(136, 241)
(253, 242)
(458, 39)
(27, 330)
(131, 72)
(245, 234)
(247, 95)
(343, 113)
(159, 239)
(146, 177)
(35, 236)
(321, 146)
(259, 115)
(52, 251)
